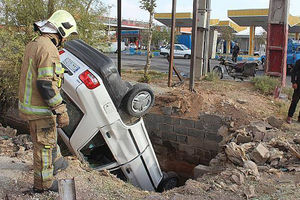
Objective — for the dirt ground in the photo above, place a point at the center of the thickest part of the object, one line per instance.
(238, 101)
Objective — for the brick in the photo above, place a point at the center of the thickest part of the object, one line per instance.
(182, 139)
(166, 128)
(187, 123)
(199, 125)
(213, 136)
(180, 130)
(175, 121)
(196, 133)
(200, 170)
(166, 119)
(260, 154)
(211, 122)
(195, 141)
(172, 136)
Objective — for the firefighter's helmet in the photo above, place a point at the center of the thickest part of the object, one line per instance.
(64, 23)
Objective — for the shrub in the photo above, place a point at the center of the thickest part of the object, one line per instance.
(265, 84)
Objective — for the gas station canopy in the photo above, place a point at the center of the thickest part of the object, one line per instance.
(186, 19)
(259, 17)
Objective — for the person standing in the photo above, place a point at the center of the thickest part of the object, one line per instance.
(235, 52)
(295, 78)
(40, 101)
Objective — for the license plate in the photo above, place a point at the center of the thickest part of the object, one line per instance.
(70, 65)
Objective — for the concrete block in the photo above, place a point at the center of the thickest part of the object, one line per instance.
(172, 136)
(187, 123)
(210, 145)
(195, 141)
(213, 136)
(200, 170)
(175, 121)
(199, 125)
(196, 133)
(166, 128)
(166, 119)
(182, 139)
(180, 130)
(260, 154)
(187, 149)
(156, 140)
(211, 122)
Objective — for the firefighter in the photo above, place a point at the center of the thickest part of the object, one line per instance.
(295, 78)
(40, 101)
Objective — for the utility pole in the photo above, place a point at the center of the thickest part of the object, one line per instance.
(119, 35)
(200, 40)
(171, 61)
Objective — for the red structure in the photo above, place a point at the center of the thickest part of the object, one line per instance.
(277, 39)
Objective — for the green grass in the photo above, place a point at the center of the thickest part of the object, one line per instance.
(265, 84)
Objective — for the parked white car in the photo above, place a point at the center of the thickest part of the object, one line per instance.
(180, 51)
(106, 129)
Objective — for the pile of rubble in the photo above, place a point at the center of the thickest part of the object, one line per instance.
(14, 145)
(246, 153)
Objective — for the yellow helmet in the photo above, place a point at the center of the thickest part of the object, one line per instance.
(63, 22)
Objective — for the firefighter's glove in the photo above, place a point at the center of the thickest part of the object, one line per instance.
(62, 117)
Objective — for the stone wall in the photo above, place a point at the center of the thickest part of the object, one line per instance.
(181, 144)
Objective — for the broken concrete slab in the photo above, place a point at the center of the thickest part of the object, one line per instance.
(235, 153)
(275, 122)
(260, 154)
(251, 168)
(200, 170)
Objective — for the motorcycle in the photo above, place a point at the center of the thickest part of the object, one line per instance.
(235, 70)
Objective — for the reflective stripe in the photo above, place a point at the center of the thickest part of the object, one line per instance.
(57, 99)
(28, 84)
(45, 72)
(35, 110)
(47, 172)
(59, 69)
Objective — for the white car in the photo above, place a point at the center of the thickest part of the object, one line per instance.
(106, 129)
(180, 51)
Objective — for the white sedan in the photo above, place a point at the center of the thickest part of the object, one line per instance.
(180, 51)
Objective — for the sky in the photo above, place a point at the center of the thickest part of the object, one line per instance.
(131, 10)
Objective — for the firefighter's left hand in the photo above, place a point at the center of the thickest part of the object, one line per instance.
(62, 120)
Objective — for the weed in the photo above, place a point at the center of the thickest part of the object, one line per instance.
(211, 77)
(265, 84)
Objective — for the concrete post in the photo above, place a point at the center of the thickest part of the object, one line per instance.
(251, 41)
(228, 46)
(201, 33)
(213, 37)
(296, 36)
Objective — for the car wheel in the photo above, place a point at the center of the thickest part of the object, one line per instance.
(218, 71)
(139, 100)
(187, 56)
(169, 181)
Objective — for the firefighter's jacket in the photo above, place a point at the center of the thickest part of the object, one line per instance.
(41, 78)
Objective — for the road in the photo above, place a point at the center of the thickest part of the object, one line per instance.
(161, 64)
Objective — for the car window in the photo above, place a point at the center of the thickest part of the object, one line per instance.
(184, 47)
(178, 48)
(97, 153)
(75, 115)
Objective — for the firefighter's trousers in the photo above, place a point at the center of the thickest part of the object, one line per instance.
(45, 150)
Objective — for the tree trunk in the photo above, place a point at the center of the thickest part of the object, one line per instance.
(148, 61)
(50, 7)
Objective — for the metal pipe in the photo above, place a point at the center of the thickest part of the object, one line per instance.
(172, 43)
(206, 47)
(66, 189)
(119, 35)
(194, 43)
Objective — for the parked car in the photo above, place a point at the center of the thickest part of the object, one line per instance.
(180, 51)
(106, 128)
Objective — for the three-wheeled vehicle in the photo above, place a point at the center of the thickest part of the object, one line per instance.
(106, 129)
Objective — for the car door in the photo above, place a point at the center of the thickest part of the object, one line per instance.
(178, 51)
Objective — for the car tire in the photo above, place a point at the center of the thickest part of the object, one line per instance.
(139, 100)
(218, 71)
(169, 181)
(187, 56)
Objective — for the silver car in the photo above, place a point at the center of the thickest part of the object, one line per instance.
(106, 128)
